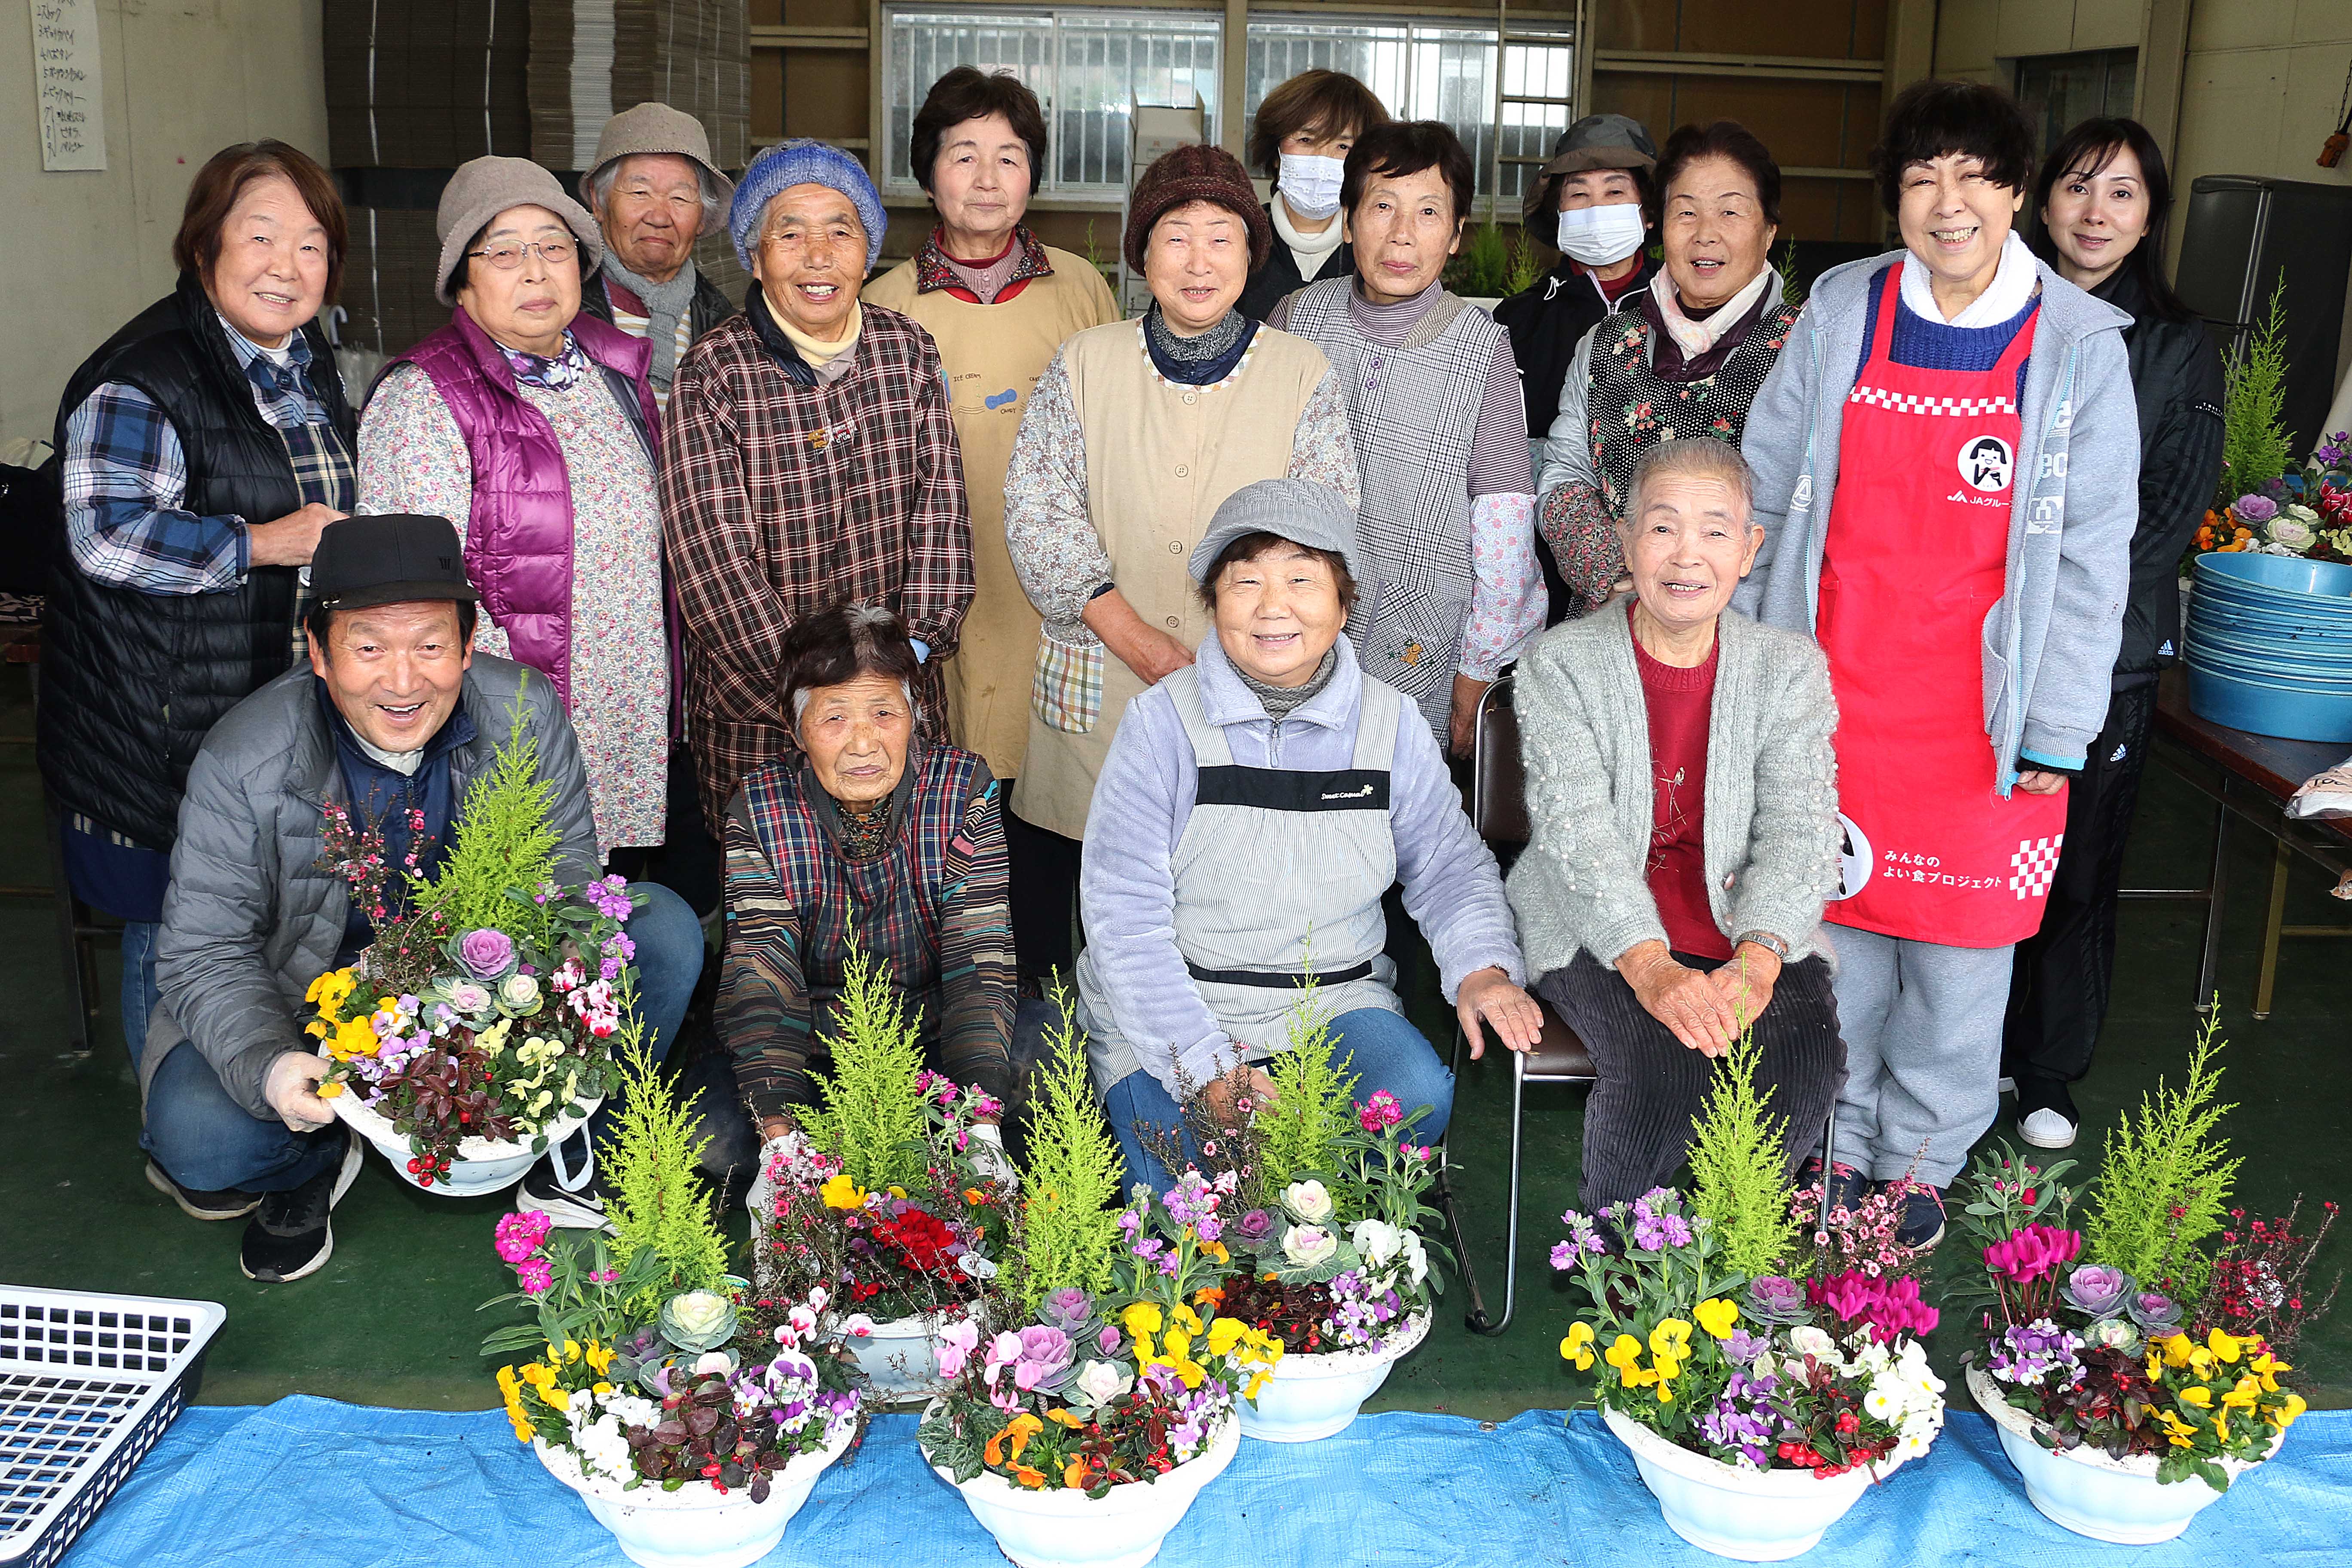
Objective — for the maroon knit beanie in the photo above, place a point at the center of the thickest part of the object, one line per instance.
(1196, 173)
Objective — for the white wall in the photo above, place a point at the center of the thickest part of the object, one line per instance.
(81, 253)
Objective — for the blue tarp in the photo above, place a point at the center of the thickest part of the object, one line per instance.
(310, 1481)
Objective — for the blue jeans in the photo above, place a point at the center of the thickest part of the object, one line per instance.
(1383, 1050)
(138, 984)
(209, 1142)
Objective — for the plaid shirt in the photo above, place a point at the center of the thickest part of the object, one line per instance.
(125, 475)
(930, 907)
(780, 499)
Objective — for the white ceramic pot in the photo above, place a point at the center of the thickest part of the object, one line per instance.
(1122, 1529)
(480, 1166)
(695, 1526)
(900, 1358)
(1749, 1516)
(1312, 1396)
(2107, 1500)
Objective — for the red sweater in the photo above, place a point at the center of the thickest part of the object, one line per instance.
(1679, 702)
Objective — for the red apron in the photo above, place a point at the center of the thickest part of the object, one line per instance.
(1915, 560)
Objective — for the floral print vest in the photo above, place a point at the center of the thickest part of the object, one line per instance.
(1629, 410)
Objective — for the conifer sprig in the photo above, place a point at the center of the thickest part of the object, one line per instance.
(869, 1114)
(1071, 1188)
(2164, 1184)
(1738, 1160)
(655, 1199)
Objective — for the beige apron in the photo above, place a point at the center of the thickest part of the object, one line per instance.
(1160, 458)
(994, 355)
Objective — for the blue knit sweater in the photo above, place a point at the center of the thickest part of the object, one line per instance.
(1924, 344)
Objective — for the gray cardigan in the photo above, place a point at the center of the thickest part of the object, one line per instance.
(249, 920)
(2050, 643)
(1769, 823)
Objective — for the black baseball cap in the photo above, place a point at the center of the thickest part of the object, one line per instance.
(389, 559)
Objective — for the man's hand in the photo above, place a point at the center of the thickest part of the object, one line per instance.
(291, 1089)
(1746, 979)
(2038, 781)
(1515, 1017)
(1685, 1001)
(291, 539)
(1221, 1092)
(1463, 720)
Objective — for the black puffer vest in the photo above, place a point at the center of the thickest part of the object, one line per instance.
(131, 681)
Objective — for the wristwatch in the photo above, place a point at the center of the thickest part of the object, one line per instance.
(1766, 940)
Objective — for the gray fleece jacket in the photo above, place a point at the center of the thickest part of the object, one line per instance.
(2050, 642)
(1769, 827)
(250, 920)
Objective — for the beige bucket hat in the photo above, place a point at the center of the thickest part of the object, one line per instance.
(652, 128)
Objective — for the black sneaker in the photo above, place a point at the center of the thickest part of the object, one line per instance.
(233, 1203)
(1845, 1189)
(582, 1210)
(1922, 1223)
(289, 1235)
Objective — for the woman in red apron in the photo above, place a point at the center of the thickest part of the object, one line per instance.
(1958, 582)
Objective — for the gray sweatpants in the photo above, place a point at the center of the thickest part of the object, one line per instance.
(1922, 1025)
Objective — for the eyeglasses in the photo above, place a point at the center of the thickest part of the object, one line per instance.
(507, 257)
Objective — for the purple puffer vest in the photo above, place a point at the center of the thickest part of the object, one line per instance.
(519, 538)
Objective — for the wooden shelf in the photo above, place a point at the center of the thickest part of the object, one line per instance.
(809, 37)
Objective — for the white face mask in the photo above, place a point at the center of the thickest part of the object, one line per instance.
(1599, 236)
(1309, 183)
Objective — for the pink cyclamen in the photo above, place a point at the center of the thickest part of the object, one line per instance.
(2034, 1252)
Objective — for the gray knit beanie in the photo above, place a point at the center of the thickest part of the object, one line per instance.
(803, 162)
(481, 190)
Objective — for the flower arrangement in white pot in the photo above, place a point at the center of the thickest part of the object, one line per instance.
(691, 1417)
(891, 1194)
(1758, 1406)
(1333, 1248)
(1092, 1396)
(2134, 1368)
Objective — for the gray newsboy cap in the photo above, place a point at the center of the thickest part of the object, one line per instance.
(481, 190)
(1297, 510)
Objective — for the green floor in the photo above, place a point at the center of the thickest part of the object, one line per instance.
(391, 1320)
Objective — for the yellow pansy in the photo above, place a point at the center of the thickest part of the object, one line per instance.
(599, 1358)
(1142, 1318)
(1625, 1355)
(840, 1193)
(1186, 1319)
(2267, 1367)
(2225, 1345)
(2177, 1349)
(1063, 1418)
(2246, 1394)
(1718, 1316)
(353, 1037)
(2155, 1364)
(2284, 1416)
(2199, 1396)
(1177, 1346)
(2180, 1432)
(329, 992)
(328, 1090)
(1578, 1346)
(1225, 1334)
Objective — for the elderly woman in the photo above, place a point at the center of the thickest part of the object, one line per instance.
(1255, 807)
(1685, 355)
(1681, 793)
(533, 424)
(1300, 142)
(809, 458)
(1590, 204)
(1446, 535)
(1948, 464)
(1136, 432)
(205, 446)
(998, 303)
(654, 189)
(865, 836)
(2104, 195)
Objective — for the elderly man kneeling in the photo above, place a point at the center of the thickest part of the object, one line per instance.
(394, 717)
(1253, 810)
(1682, 798)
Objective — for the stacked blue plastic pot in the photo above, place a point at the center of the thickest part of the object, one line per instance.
(2270, 646)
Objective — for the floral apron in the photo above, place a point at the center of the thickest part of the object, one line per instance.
(1915, 558)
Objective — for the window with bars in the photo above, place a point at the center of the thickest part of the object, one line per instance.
(1088, 66)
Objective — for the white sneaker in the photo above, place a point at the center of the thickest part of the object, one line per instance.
(2047, 1129)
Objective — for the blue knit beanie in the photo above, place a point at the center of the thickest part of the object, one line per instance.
(803, 162)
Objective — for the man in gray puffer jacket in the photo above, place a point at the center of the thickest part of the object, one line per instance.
(394, 714)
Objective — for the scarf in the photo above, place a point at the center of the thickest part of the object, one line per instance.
(1281, 702)
(2012, 284)
(829, 361)
(556, 374)
(1695, 338)
(1202, 361)
(1306, 250)
(666, 304)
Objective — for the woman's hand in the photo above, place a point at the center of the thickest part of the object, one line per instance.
(1144, 648)
(2038, 781)
(1746, 979)
(1515, 1017)
(1462, 720)
(1223, 1091)
(1685, 1001)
